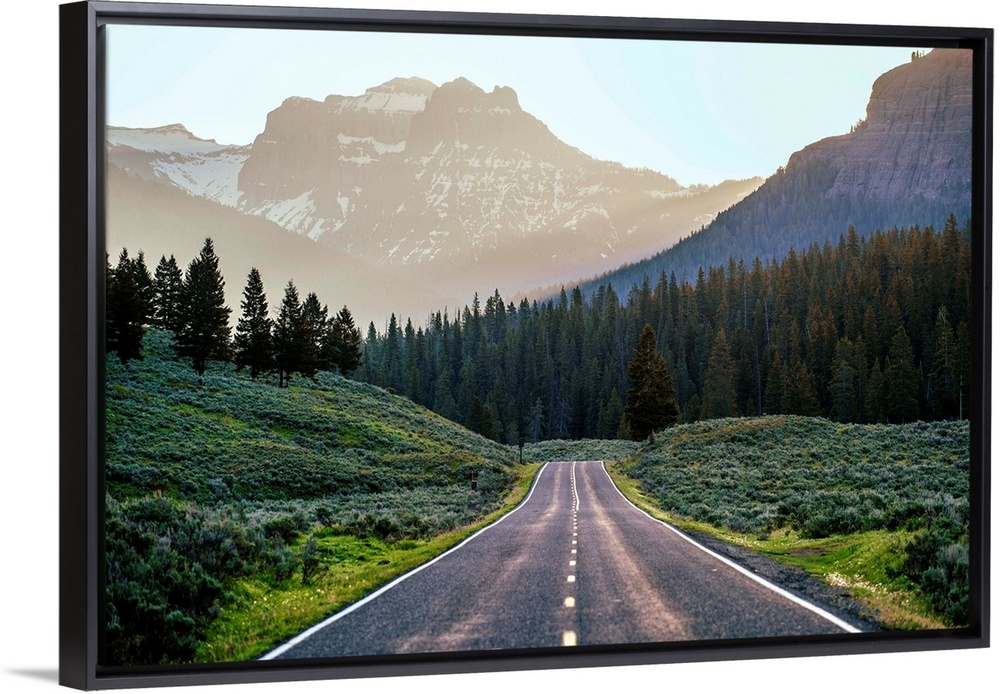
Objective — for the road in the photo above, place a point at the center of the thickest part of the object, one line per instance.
(574, 564)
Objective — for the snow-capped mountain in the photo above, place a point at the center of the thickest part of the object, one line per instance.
(417, 178)
(170, 153)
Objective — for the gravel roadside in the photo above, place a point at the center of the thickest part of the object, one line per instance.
(837, 601)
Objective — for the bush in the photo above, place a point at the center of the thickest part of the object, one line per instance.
(158, 601)
(310, 560)
(285, 529)
(938, 562)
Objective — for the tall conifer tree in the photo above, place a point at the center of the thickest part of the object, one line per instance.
(204, 331)
(126, 308)
(719, 398)
(902, 380)
(288, 335)
(344, 342)
(253, 343)
(167, 283)
(650, 401)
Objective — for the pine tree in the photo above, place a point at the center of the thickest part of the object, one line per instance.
(610, 417)
(902, 380)
(144, 288)
(314, 327)
(342, 342)
(800, 392)
(287, 336)
(719, 393)
(535, 427)
(650, 401)
(254, 347)
(944, 391)
(843, 382)
(204, 326)
(482, 419)
(126, 310)
(167, 283)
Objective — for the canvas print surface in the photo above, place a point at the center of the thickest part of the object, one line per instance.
(439, 343)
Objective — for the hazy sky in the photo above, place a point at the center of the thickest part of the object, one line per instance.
(700, 112)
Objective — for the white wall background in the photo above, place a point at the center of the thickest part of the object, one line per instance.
(29, 385)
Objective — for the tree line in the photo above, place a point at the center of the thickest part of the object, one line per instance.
(301, 339)
(870, 329)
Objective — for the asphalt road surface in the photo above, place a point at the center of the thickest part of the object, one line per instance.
(574, 564)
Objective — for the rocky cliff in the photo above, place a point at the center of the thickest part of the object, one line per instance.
(909, 162)
(916, 140)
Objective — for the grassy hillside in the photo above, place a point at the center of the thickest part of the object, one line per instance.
(879, 509)
(223, 489)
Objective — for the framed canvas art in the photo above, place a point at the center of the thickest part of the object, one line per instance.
(401, 342)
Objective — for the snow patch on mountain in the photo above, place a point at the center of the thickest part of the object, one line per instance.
(200, 167)
(167, 139)
(296, 214)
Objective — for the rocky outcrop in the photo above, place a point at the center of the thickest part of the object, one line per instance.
(309, 144)
(916, 139)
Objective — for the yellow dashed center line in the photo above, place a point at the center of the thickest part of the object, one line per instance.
(569, 638)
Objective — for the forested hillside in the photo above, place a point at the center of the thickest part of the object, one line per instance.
(870, 329)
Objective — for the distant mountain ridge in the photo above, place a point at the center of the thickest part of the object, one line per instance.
(447, 182)
(908, 162)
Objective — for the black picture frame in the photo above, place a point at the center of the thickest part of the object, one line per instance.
(81, 338)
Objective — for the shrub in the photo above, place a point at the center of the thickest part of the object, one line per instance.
(310, 559)
(938, 562)
(285, 529)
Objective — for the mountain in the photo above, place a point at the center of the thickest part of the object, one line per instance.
(908, 162)
(447, 182)
(172, 155)
(160, 219)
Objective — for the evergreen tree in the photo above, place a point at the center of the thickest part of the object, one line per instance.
(482, 419)
(343, 342)
(943, 384)
(902, 380)
(719, 393)
(536, 422)
(609, 420)
(777, 380)
(314, 328)
(167, 283)
(144, 288)
(875, 395)
(650, 401)
(288, 336)
(126, 310)
(204, 326)
(253, 343)
(800, 392)
(843, 383)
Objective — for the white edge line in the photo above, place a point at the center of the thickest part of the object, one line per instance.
(746, 572)
(296, 640)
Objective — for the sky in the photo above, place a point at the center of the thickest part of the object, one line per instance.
(697, 111)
